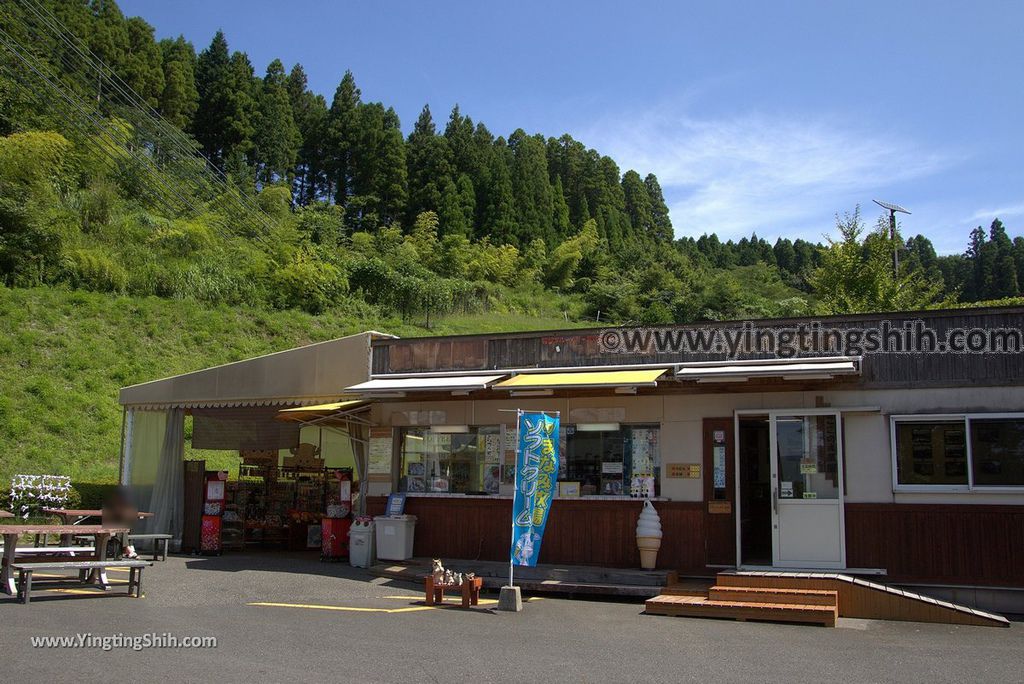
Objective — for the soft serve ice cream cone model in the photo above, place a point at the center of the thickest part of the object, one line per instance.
(648, 536)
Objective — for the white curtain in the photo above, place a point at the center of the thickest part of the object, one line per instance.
(167, 503)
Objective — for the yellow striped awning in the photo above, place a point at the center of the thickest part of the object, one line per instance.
(646, 377)
(304, 413)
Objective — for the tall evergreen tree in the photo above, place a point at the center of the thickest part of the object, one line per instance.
(660, 221)
(342, 137)
(276, 136)
(498, 217)
(209, 125)
(179, 99)
(430, 168)
(638, 205)
(310, 113)
(108, 38)
(1004, 276)
(240, 123)
(531, 189)
(143, 62)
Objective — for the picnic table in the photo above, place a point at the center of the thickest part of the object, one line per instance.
(76, 516)
(11, 533)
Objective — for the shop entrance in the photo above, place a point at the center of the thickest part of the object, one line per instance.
(790, 489)
(755, 491)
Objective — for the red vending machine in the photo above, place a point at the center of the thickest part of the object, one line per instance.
(337, 521)
(213, 509)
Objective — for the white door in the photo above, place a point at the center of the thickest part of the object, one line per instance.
(807, 489)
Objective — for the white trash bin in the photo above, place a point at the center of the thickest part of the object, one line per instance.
(394, 536)
(361, 545)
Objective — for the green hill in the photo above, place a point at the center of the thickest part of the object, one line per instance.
(64, 354)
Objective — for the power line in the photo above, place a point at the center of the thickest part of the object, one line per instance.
(166, 139)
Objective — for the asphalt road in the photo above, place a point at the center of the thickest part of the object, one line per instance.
(383, 634)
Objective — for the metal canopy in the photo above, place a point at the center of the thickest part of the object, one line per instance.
(813, 368)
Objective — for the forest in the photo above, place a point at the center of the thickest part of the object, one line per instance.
(148, 167)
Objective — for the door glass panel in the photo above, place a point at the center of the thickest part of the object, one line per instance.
(808, 457)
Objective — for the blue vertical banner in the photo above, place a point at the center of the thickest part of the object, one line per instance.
(536, 479)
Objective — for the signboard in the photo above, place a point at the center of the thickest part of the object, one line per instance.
(379, 453)
(535, 475)
(786, 492)
(687, 470)
(719, 506)
(395, 505)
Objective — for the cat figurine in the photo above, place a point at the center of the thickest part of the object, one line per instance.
(437, 571)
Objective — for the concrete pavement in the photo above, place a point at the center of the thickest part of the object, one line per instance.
(332, 622)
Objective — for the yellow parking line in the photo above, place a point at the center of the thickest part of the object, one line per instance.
(353, 609)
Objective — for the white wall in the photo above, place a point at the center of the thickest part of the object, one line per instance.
(866, 435)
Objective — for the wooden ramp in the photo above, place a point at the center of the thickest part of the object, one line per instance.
(816, 598)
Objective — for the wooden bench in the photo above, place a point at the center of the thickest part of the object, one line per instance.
(470, 590)
(160, 542)
(52, 550)
(135, 567)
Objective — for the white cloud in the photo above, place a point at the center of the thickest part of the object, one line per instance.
(776, 175)
(999, 212)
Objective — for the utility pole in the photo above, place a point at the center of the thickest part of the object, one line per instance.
(893, 208)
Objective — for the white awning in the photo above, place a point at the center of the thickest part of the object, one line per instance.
(812, 368)
(447, 383)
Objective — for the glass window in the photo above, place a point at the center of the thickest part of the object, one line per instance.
(458, 463)
(610, 461)
(931, 453)
(808, 453)
(997, 451)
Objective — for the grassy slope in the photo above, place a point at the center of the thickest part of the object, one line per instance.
(64, 355)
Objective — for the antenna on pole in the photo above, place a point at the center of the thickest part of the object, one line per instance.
(893, 208)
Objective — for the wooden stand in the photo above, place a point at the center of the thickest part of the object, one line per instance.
(470, 590)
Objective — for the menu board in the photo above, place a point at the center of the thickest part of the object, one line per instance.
(379, 452)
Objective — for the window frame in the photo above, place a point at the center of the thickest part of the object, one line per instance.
(966, 419)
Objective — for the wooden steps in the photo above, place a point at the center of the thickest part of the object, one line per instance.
(696, 606)
(860, 598)
(804, 597)
(813, 598)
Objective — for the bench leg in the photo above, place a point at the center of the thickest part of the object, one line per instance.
(132, 581)
(6, 571)
(138, 584)
(165, 543)
(26, 585)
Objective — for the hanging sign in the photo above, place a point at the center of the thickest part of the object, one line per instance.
(536, 475)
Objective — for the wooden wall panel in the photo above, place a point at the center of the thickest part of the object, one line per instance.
(951, 544)
(578, 532)
(582, 348)
(720, 528)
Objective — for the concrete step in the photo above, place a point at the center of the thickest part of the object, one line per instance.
(694, 606)
(806, 597)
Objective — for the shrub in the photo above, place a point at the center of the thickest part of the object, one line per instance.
(91, 269)
(306, 284)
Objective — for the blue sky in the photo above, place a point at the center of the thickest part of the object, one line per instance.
(757, 116)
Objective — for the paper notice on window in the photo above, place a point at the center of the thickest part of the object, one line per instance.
(718, 473)
(379, 453)
(808, 467)
(492, 448)
(611, 467)
(786, 491)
